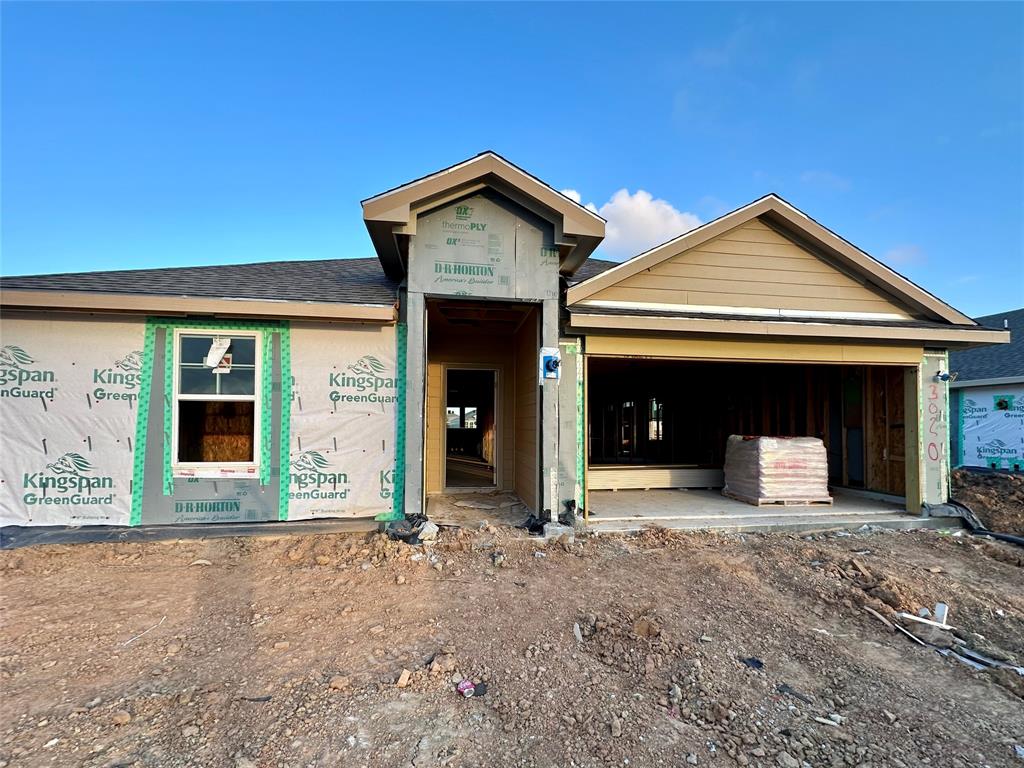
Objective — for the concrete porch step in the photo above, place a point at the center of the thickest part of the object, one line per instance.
(791, 523)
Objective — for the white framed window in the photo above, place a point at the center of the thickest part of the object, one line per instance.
(216, 404)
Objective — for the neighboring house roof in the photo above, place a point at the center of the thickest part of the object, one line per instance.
(797, 227)
(296, 288)
(1005, 361)
(390, 217)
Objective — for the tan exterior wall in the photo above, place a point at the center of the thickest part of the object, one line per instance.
(753, 351)
(527, 415)
(750, 266)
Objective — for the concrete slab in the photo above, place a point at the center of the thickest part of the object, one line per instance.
(467, 510)
(620, 511)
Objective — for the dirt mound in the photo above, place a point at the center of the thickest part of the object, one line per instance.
(660, 649)
(997, 498)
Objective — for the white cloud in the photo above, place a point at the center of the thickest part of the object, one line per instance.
(903, 255)
(637, 221)
(576, 197)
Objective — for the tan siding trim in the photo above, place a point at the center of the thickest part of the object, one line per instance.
(753, 351)
(178, 305)
(580, 322)
(705, 299)
(782, 274)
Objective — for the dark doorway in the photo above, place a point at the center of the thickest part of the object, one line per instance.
(470, 428)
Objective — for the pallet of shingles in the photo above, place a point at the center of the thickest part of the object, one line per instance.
(782, 471)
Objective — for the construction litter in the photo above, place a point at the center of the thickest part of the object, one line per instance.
(944, 638)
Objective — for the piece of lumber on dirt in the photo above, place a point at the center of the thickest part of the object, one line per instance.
(922, 620)
(863, 571)
(880, 617)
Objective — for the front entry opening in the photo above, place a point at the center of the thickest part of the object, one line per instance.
(470, 428)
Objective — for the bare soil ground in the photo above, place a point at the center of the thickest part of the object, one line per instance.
(997, 498)
(290, 651)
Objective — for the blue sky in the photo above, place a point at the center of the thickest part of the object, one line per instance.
(142, 135)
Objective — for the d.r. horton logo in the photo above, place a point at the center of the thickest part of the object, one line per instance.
(120, 381)
(364, 383)
(311, 475)
(67, 481)
(463, 212)
(15, 372)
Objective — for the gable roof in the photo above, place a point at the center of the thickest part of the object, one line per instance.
(802, 230)
(391, 216)
(984, 363)
(591, 268)
(290, 286)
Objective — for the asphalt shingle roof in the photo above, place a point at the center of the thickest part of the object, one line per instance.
(343, 281)
(590, 268)
(995, 361)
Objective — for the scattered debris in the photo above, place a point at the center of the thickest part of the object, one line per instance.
(339, 682)
(880, 617)
(753, 662)
(200, 562)
(121, 717)
(558, 531)
(786, 689)
(466, 688)
(133, 639)
(473, 504)
(533, 525)
(428, 531)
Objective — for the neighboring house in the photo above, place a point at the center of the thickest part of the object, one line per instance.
(357, 388)
(988, 399)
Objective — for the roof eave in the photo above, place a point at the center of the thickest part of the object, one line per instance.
(136, 303)
(384, 214)
(959, 337)
(783, 215)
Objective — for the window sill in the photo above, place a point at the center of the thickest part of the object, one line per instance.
(216, 471)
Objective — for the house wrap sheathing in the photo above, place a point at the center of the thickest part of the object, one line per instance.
(482, 346)
(87, 408)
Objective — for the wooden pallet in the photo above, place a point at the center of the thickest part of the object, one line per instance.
(759, 502)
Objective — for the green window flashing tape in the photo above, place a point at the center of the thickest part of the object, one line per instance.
(168, 475)
(142, 424)
(284, 459)
(267, 328)
(398, 476)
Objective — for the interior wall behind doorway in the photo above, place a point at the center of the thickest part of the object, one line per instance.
(470, 427)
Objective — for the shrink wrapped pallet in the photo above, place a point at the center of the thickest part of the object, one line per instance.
(776, 470)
